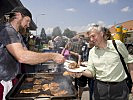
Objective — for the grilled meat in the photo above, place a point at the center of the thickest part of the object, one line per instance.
(30, 91)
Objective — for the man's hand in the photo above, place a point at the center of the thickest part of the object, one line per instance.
(58, 58)
(75, 74)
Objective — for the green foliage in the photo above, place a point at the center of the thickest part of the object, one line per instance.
(56, 32)
(49, 38)
(43, 34)
(68, 33)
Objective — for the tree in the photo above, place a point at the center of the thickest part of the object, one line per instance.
(43, 34)
(68, 33)
(56, 32)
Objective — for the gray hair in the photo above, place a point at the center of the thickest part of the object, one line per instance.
(98, 28)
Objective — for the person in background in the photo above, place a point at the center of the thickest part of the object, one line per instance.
(59, 43)
(83, 80)
(13, 50)
(37, 43)
(105, 66)
(77, 55)
(31, 43)
(67, 53)
(51, 44)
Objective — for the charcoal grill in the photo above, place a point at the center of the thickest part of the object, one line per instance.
(64, 81)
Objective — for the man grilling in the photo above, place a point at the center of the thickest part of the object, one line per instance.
(13, 50)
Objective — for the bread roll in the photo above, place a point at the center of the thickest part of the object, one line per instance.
(73, 65)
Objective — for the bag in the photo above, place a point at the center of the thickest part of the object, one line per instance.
(129, 84)
(128, 80)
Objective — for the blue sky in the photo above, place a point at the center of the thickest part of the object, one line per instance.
(78, 15)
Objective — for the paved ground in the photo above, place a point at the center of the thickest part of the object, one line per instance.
(85, 95)
(130, 97)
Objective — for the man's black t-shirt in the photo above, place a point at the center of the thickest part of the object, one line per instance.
(9, 66)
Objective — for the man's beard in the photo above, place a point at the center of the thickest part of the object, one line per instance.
(22, 30)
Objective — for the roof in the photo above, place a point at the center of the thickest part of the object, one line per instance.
(127, 24)
(79, 34)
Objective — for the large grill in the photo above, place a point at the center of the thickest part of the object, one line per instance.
(28, 81)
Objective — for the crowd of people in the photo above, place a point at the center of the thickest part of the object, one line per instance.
(105, 75)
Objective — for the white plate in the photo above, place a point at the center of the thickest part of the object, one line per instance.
(84, 63)
(80, 69)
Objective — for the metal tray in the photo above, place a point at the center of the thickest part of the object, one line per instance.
(65, 81)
